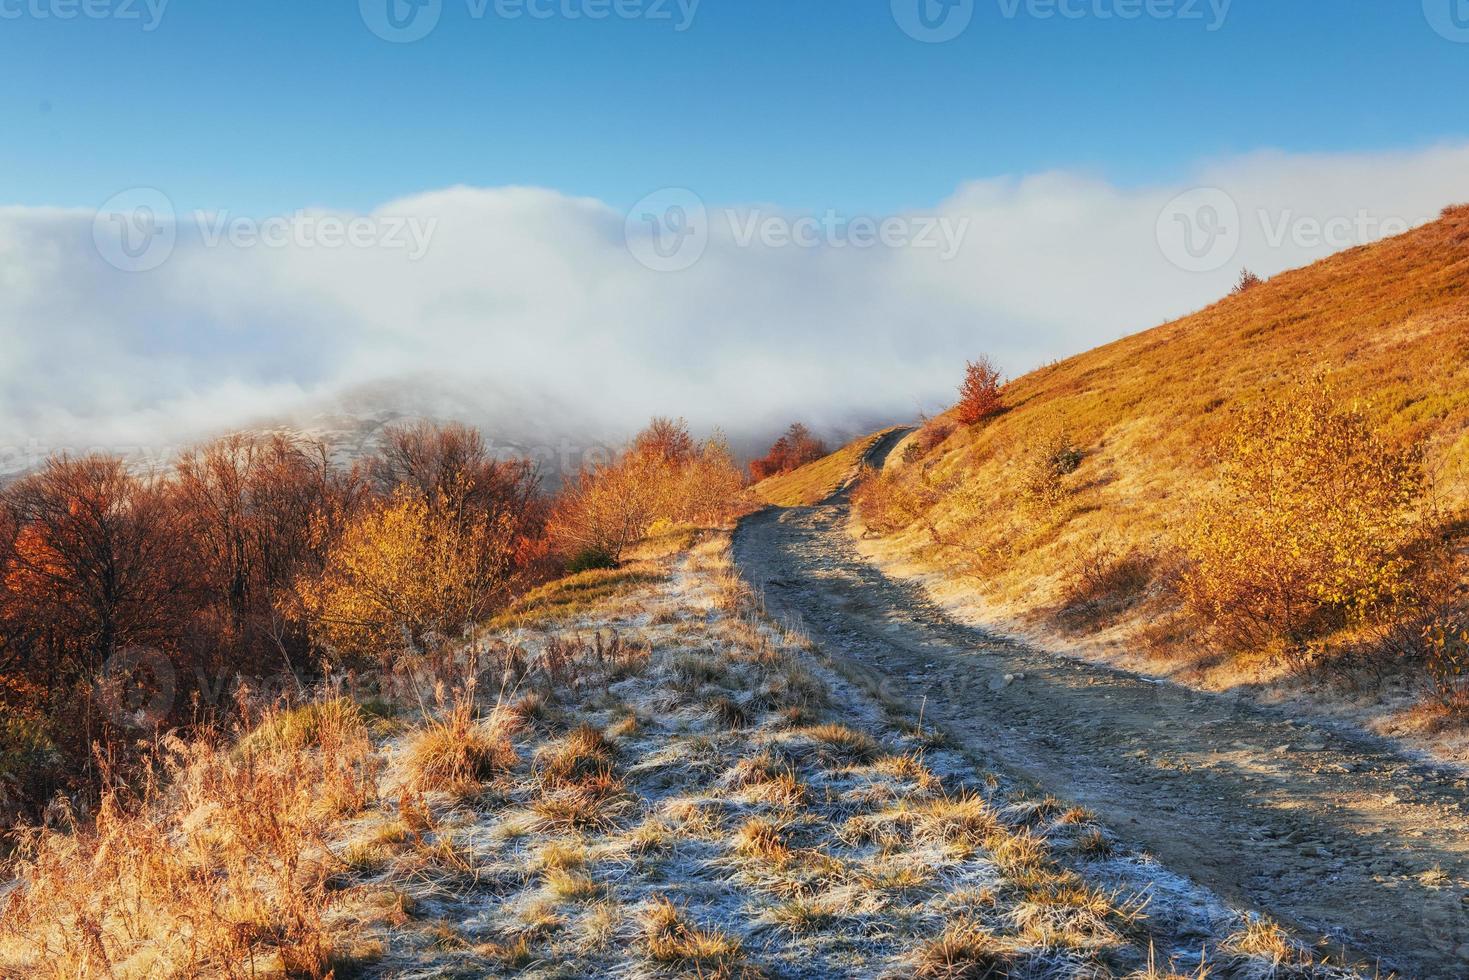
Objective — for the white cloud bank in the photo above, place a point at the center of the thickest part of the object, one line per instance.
(528, 303)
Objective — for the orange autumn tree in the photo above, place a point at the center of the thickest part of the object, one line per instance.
(260, 510)
(97, 564)
(446, 545)
(664, 475)
(979, 395)
(405, 570)
(94, 565)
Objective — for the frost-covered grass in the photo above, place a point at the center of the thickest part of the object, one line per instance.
(637, 775)
(694, 793)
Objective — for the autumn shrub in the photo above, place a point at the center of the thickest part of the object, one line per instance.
(664, 475)
(1042, 470)
(1308, 526)
(933, 434)
(980, 395)
(889, 501)
(1246, 282)
(590, 559)
(97, 564)
(1446, 650)
(1106, 579)
(407, 570)
(30, 762)
(259, 511)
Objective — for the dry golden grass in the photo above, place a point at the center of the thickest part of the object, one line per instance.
(220, 867)
(572, 596)
(572, 886)
(296, 729)
(456, 753)
(1264, 939)
(805, 915)
(1389, 326)
(581, 756)
(842, 743)
(559, 856)
(814, 482)
(673, 939)
(729, 712)
(764, 839)
(1095, 846)
(963, 952)
(963, 820)
(591, 804)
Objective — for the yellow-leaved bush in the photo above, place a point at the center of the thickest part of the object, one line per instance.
(1309, 525)
(407, 569)
(1446, 648)
(663, 476)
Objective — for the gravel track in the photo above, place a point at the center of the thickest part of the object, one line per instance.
(1335, 834)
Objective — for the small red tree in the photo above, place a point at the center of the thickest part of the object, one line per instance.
(979, 395)
(791, 451)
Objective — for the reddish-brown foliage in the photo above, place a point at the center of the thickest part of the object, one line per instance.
(664, 440)
(96, 564)
(979, 396)
(200, 576)
(797, 447)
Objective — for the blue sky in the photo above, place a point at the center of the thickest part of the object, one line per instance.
(1095, 175)
(269, 105)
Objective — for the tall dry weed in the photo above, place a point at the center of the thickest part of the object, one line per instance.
(218, 865)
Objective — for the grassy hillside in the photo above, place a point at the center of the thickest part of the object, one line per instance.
(816, 481)
(1137, 424)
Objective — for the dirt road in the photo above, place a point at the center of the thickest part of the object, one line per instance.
(1338, 836)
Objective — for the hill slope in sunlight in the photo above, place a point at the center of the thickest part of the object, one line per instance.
(1135, 425)
(809, 484)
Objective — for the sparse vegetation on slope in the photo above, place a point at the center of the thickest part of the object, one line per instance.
(1200, 461)
(218, 866)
